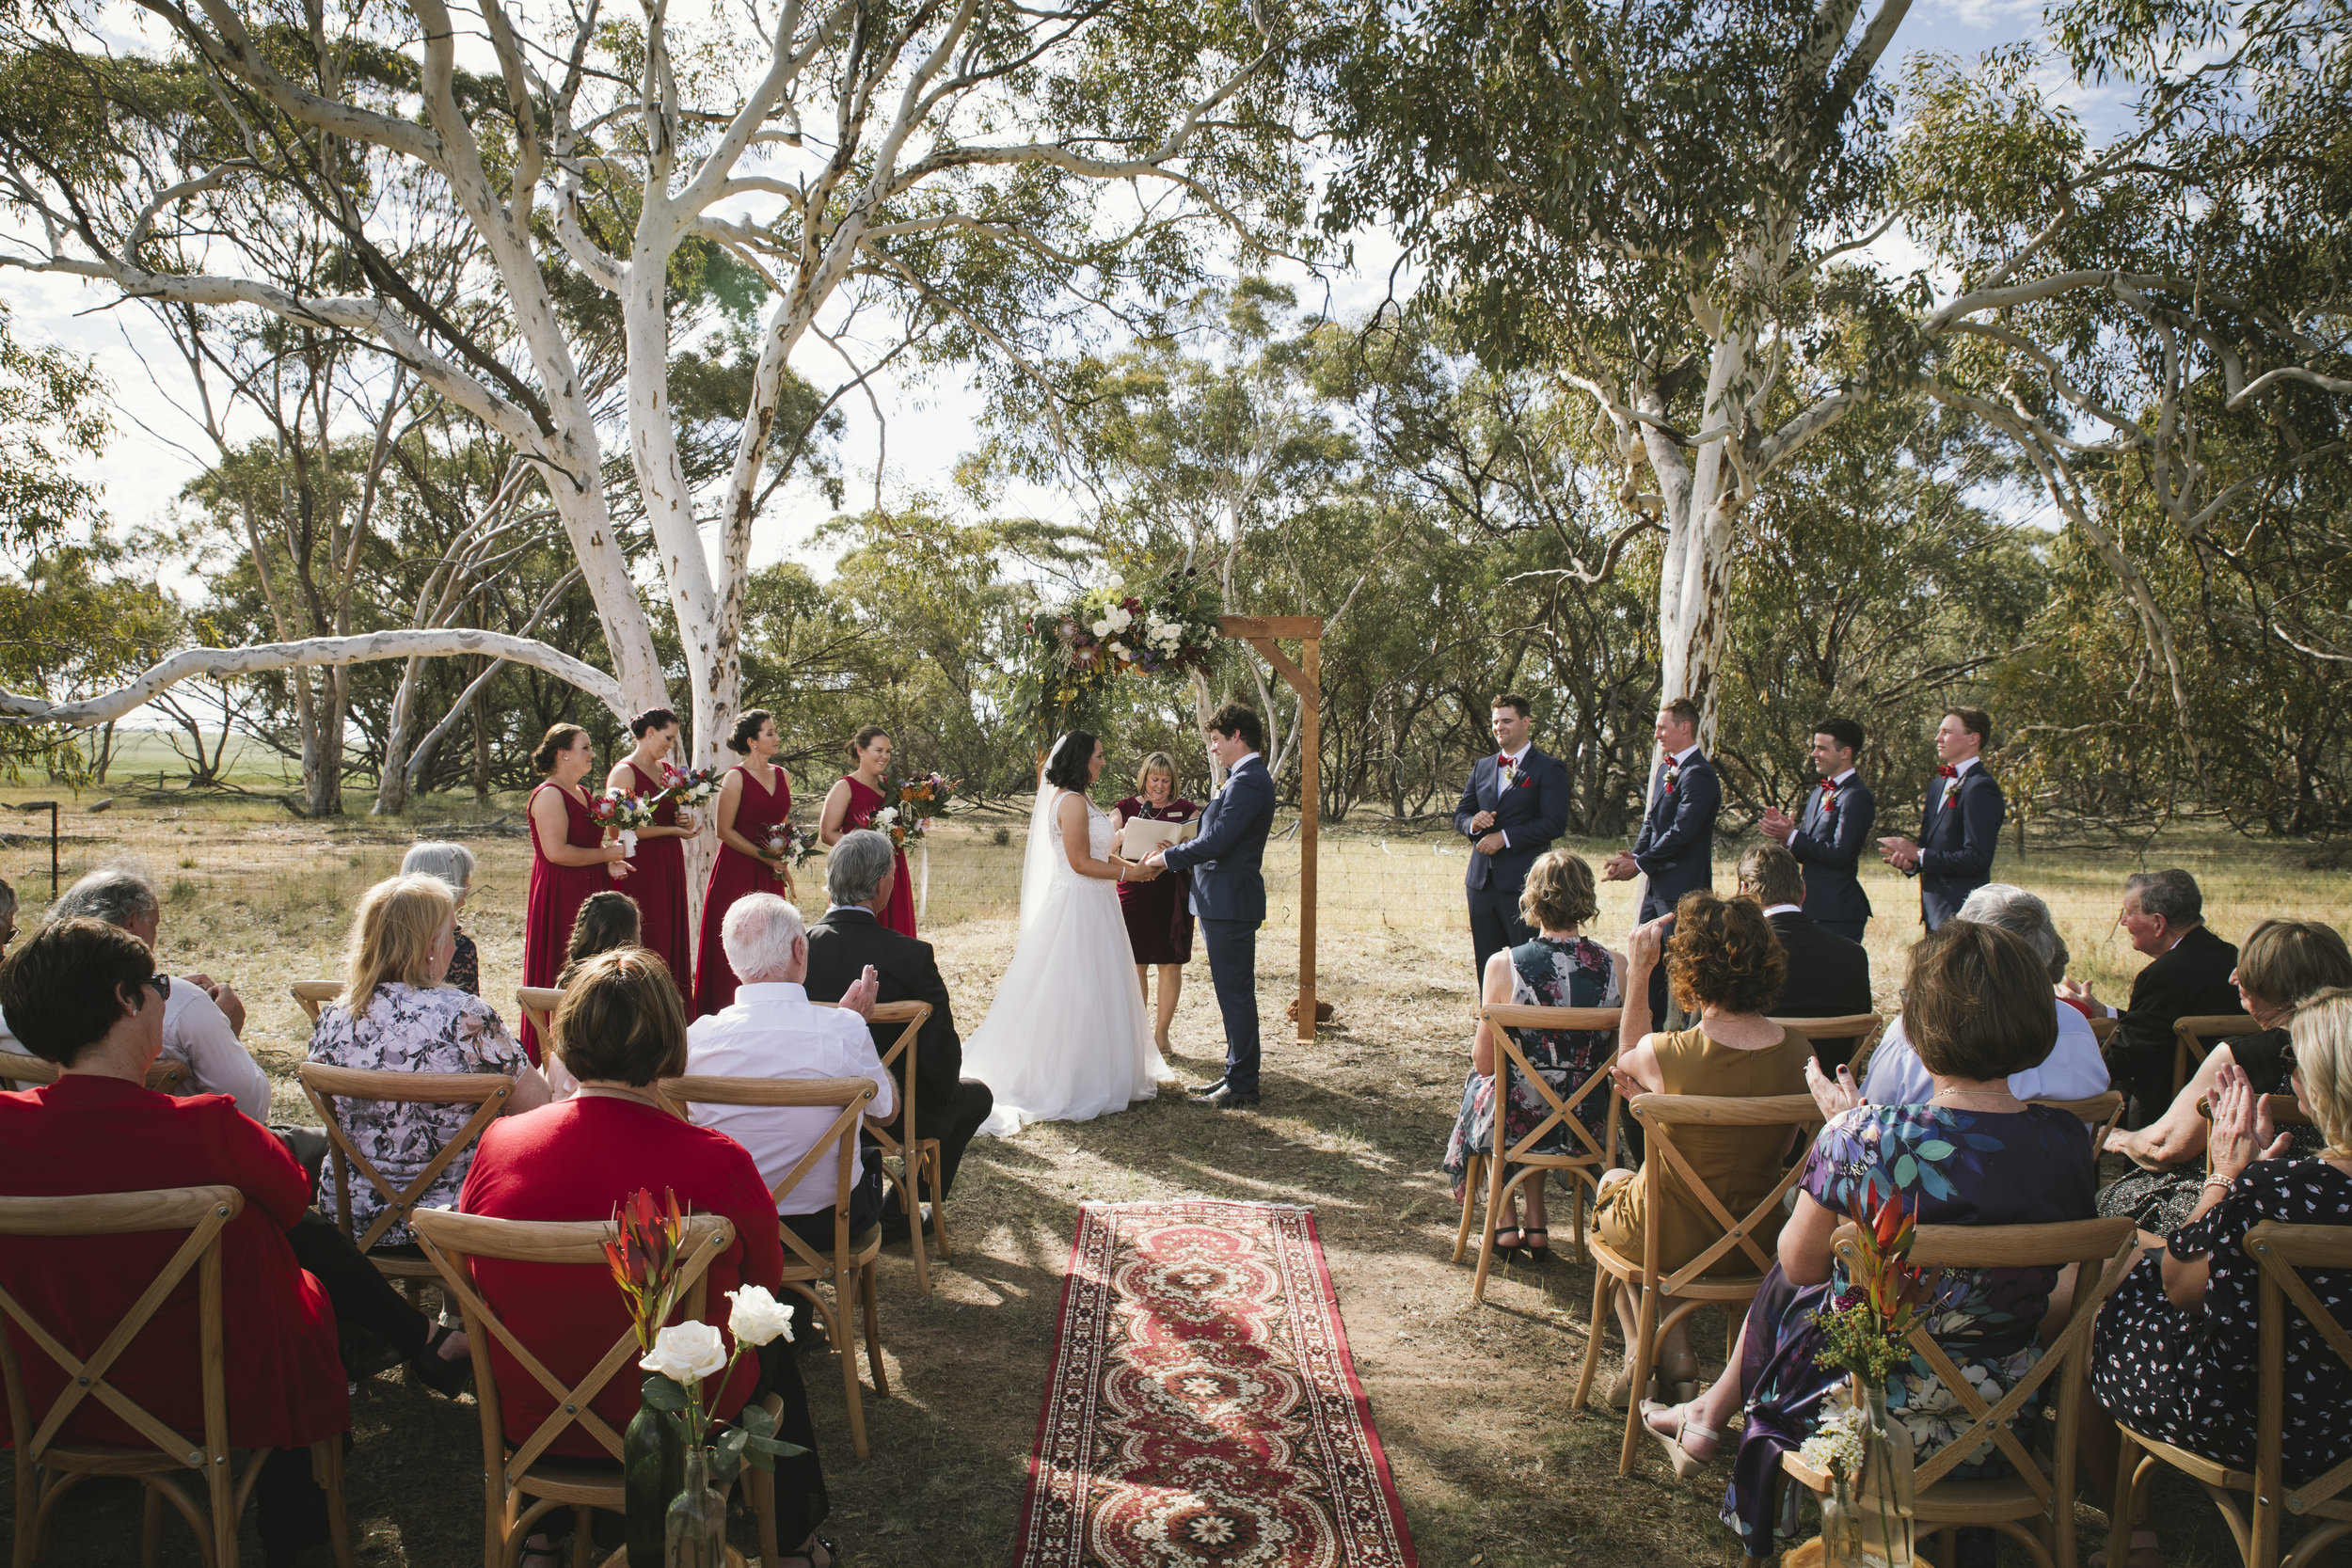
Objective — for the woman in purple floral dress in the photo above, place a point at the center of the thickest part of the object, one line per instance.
(1559, 968)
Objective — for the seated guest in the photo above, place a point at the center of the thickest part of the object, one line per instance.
(2283, 962)
(85, 994)
(1828, 976)
(2073, 1069)
(620, 1027)
(1560, 968)
(772, 1030)
(1725, 965)
(454, 864)
(606, 920)
(861, 875)
(2173, 1356)
(201, 1019)
(398, 1015)
(1968, 1154)
(8, 915)
(2188, 975)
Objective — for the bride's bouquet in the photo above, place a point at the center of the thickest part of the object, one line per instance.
(622, 814)
(688, 786)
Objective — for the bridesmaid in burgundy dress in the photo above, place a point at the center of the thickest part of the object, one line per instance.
(852, 804)
(659, 884)
(754, 797)
(1159, 911)
(570, 858)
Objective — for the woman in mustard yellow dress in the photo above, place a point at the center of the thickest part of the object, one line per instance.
(1725, 964)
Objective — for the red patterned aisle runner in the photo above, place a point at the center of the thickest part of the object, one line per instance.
(1202, 1411)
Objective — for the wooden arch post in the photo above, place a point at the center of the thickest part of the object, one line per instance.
(1306, 678)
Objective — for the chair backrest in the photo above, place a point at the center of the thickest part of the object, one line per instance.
(164, 1077)
(538, 1004)
(1663, 1115)
(454, 1241)
(2282, 1252)
(913, 1015)
(488, 1092)
(847, 1096)
(202, 1211)
(1506, 1017)
(315, 995)
(2198, 1033)
(2103, 1030)
(2101, 1111)
(2105, 1249)
(1861, 1027)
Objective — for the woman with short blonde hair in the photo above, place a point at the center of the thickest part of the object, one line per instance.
(1158, 913)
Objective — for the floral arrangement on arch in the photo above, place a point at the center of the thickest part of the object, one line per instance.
(1074, 649)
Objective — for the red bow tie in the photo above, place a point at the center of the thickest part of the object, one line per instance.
(1503, 761)
(1829, 786)
(1947, 771)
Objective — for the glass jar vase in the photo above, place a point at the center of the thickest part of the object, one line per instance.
(1867, 1519)
(695, 1532)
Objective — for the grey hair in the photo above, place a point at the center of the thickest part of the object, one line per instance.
(758, 934)
(2171, 893)
(452, 863)
(855, 869)
(115, 895)
(2021, 913)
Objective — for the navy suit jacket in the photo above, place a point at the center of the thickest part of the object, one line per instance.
(1676, 846)
(1225, 857)
(1829, 844)
(1533, 811)
(1955, 843)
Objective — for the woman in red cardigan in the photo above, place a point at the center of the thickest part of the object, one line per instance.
(621, 1026)
(85, 995)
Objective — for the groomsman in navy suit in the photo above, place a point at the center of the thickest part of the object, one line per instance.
(1959, 823)
(1829, 834)
(1676, 849)
(1515, 804)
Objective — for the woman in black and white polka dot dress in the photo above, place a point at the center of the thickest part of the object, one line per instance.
(2174, 1357)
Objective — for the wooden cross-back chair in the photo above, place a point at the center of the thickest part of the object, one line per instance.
(1864, 1029)
(1581, 1161)
(2103, 1030)
(1687, 1286)
(2032, 1495)
(537, 1004)
(488, 1092)
(315, 995)
(50, 1464)
(164, 1077)
(853, 1256)
(523, 1482)
(2282, 1252)
(2194, 1037)
(908, 1175)
(2101, 1112)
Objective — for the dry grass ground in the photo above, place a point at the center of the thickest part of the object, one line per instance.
(1471, 1404)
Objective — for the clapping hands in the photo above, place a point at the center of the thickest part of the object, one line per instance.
(2242, 1128)
(1620, 867)
(1833, 1096)
(1646, 943)
(860, 998)
(1776, 824)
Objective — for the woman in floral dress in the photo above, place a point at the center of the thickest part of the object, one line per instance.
(1561, 968)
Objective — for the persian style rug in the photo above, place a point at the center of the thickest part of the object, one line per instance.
(1202, 1408)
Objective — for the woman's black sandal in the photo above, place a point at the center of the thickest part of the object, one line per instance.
(447, 1376)
(1527, 1241)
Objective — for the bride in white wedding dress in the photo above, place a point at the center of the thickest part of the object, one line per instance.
(1066, 1038)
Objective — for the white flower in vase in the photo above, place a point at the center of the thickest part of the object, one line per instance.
(686, 1354)
(759, 1317)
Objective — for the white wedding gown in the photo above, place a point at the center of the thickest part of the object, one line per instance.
(1066, 1038)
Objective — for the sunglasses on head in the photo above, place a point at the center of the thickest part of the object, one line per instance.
(162, 983)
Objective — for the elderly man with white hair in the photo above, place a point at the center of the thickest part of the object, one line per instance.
(2073, 1069)
(772, 1030)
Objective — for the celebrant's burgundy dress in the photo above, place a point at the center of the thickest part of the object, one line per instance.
(556, 893)
(660, 888)
(865, 800)
(1159, 911)
(732, 874)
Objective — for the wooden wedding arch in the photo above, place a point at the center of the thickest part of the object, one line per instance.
(1305, 677)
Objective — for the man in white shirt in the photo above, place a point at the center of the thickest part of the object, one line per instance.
(773, 1030)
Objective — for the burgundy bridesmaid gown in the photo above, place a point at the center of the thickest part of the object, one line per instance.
(660, 889)
(556, 893)
(865, 800)
(732, 874)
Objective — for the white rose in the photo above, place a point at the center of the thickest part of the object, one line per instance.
(886, 817)
(1125, 651)
(1121, 620)
(1102, 628)
(757, 1317)
(686, 1354)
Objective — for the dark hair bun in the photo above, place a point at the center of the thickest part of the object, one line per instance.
(652, 719)
(554, 744)
(1072, 764)
(740, 738)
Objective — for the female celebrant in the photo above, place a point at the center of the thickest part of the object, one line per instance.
(570, 858)
(755, 797)
(852, 804)
(659, 884)
(1159, 911)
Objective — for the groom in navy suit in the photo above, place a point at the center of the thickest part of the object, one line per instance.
(1229, 894)
(1515, 804)
(1832, 831)
(1959, 822)
(1676, 849)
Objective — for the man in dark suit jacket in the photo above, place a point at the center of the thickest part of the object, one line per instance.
(1828, 976)
(2189, 975)
(1829, 833)
(1515, 804)
(1676, 846)
(947, 1105)
(1229, 894)
(1959, 822)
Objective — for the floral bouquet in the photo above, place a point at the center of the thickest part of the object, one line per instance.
(792, 846)
(919, 802)
(1868, 1518)
(1867, 1329)
(1074, 649)
(629, 814)
(688, 786)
